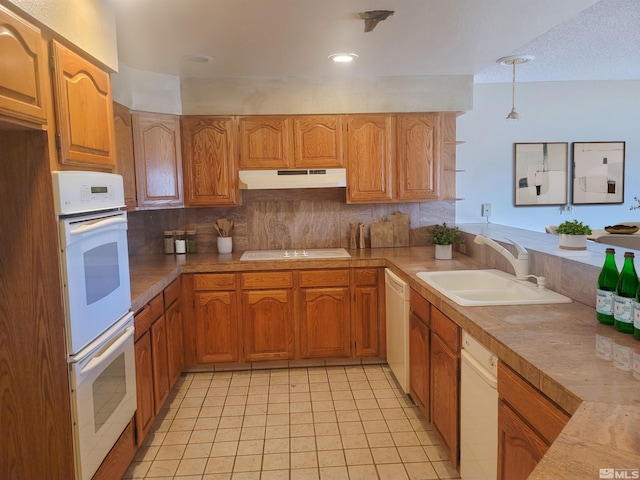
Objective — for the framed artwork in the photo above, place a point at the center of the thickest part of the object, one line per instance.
(541, 173)
(598, 172)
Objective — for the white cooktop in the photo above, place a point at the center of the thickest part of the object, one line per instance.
(295, 254)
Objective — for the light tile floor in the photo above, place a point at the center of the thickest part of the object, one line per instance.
(326, 423)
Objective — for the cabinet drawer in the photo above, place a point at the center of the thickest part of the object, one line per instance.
(419, 305)
(157, 307)
(262, 280)
(541, 413)
(446, 329)
(365, 276)
(142, 322)
(324, 278)
(214, 281)
(172, 293)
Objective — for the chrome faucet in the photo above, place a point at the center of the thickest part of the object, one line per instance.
(520, 263)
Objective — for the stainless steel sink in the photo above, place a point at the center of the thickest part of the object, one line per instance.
(489, 287)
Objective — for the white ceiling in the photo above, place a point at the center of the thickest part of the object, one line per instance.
(571, 39)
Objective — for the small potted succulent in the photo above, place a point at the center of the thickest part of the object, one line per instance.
(573, 235)
(443, 237)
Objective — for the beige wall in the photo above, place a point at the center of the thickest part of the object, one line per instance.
(88, 24)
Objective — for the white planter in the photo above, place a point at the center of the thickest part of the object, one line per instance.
(443, 252)
(573, 242)
(225, 244)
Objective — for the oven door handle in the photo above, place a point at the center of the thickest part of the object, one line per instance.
(109, 222)
(104, 356)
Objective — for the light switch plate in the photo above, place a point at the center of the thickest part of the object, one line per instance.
(486, 210)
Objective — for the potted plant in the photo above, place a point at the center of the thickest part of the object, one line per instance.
(443, 237)
(573, 235)
(224, 227)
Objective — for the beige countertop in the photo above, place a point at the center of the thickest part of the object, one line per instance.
(552, 346)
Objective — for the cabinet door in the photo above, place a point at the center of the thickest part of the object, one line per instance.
(216, 326)
(318, 141)
(158, 160)
(175, 345)
(366, 322)
(160, 361)
(370, 149)
(265, 142)
(417, 166)
(520, 448)
(325, 322)
(145, 412)
(84, 111)
(268, 324)
(209, 157)
(125, 166)
(445, 391)
(419, 363)
(23, 70)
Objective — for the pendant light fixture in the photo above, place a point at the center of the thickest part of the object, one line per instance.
(513, 61)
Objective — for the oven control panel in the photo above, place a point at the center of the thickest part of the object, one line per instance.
(84, 192)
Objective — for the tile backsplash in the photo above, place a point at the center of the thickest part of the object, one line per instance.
(279, 219)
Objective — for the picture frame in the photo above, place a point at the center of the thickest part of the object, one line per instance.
(541, 173)
(598, 173)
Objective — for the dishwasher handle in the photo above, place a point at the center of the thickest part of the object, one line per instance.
(396, 284)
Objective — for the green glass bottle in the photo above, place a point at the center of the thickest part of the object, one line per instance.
(636, 315)
(625, 295)
(606, 288)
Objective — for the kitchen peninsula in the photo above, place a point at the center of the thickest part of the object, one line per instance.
(551, 346)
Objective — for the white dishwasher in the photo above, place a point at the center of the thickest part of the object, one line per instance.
(478, 411)
(397, 315)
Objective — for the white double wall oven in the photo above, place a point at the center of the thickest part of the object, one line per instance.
(94, 263)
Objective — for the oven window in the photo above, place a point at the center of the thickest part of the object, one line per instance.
(108, 391)
(101, 271)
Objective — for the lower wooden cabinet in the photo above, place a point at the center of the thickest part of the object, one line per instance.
(528, 423)
(160, 362)
(145, 412)
(267, 316)
(368, 324)
(445, 382)
(325, 320)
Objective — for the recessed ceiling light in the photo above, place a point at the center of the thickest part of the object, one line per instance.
(197, 58)
(343, 57)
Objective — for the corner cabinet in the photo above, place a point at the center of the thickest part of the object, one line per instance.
(23, 70)
(209, 161)
(528, 423)
(370, 153)
(84, 111)
(125, 159)
(158, 160)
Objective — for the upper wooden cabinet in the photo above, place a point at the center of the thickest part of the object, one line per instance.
(84, 111)
(125, 163)
(23, 70)
(370, 147)
(158, 159)
(265, 142)
(318, 141)
(209, 157)
(417, 165)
